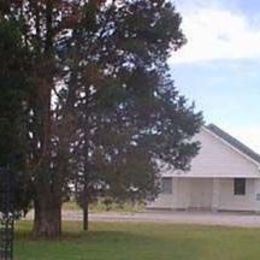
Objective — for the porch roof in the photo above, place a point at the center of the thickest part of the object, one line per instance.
(179, 174)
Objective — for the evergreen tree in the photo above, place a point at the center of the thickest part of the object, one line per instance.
(15, 87)
(101, 99)
(128, 112)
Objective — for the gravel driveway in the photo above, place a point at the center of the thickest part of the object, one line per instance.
(174, 217)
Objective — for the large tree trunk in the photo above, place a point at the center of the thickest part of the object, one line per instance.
(47, 204)
(47, 219)
(86, 162)
(85, 207)
(85, 218)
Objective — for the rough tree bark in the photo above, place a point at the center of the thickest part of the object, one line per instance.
(47, 219)
(48, 197)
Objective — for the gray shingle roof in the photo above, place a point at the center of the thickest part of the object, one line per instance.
(234, 142)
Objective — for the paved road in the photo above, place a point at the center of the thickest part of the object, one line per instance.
(179, 217)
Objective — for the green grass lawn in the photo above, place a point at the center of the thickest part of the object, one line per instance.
(124, 241)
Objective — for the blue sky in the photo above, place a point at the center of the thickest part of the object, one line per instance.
(219, 67)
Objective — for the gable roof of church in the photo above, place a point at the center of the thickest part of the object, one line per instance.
(234, 142)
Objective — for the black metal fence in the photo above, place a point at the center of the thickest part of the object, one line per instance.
(6, 214)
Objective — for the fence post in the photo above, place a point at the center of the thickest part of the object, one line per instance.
(6, 214)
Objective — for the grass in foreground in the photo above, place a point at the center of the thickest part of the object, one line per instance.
(138, 241)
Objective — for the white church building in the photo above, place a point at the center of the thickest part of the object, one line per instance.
(224, 176)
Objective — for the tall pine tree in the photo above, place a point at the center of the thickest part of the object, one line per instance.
(101, 97)
(128, 113)
(15, 88)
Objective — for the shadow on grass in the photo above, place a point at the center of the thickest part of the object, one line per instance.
(73, 231)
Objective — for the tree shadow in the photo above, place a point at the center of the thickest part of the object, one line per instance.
(23, 233)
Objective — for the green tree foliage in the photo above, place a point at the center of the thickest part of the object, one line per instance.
(128, 114)
(14, 86)
(102, 110)
(129, 141)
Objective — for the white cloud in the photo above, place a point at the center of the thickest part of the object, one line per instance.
(216, 33)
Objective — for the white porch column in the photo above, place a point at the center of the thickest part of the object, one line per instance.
(257, 195)
(188, 193)
(175, 187)
(215, 194)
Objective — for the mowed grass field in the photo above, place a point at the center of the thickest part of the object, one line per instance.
(144, 241)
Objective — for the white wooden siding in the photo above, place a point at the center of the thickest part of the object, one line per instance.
(229, 201)
(215, 161)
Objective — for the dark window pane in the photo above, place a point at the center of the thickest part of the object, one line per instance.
(239, 186)
(166, 185)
